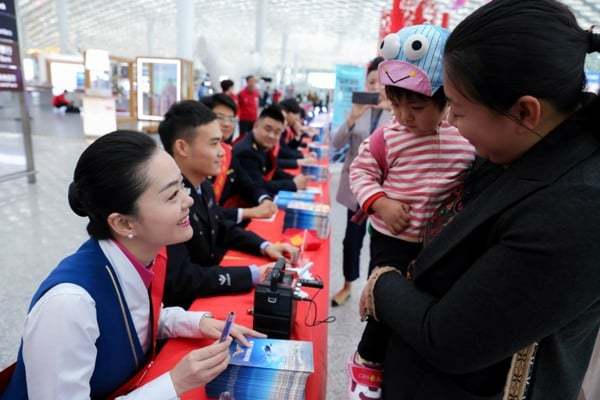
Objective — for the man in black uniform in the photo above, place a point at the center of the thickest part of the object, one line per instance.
(240, 198)
(257, 154)
(191, 134)
(291, 139)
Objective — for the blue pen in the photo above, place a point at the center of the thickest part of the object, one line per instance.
(227, 327)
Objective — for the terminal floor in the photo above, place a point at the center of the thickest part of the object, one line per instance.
(37, 229)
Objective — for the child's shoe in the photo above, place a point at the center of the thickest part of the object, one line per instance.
(364, 383)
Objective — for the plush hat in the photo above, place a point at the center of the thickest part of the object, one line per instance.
(414, 58)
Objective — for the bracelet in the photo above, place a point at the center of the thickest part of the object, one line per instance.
(375, 275)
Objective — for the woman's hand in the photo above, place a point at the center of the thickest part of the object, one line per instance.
(365, 302)
(356, 112)
(385, 104)
(200, 366)
(211, 328)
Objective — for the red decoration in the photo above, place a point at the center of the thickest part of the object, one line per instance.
(407, 13)
(397, 16)
(445, 20)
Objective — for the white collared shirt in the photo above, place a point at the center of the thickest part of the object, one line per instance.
(61, 330)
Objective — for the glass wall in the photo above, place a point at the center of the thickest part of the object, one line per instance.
(158, 86)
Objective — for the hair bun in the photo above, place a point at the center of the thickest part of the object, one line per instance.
(75, 201)
(594, 42)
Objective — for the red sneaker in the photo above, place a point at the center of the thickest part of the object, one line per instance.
(364, 383)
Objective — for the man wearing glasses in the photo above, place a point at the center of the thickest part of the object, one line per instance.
(235, 192)
(257, 154)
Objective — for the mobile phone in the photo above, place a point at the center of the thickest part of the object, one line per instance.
(227, 327)
(371, 98)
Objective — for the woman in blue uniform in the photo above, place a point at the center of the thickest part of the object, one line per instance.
(92, 325)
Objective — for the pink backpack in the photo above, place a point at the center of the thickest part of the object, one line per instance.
(377, 149)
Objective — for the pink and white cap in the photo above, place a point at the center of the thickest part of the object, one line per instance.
(405, 75)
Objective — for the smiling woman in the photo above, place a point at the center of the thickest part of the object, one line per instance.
(504, 302)
(92, 326)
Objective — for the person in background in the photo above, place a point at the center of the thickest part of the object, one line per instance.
(264, 98)
(225, 109)
(61, 102)
(296, 132)
(291, 139)
(360, 123)
(504, 302)
(248, 104)
(276, 97)
(232, 186)
(257, 153)
(227, 87)
(90, 330)
(190, 132)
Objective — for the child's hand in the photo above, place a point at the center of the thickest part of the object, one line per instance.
(393, 212)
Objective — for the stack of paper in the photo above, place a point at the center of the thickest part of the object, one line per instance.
(321, 151)
(270, 369)
(315, 171)
(303, 215)
(284, 197)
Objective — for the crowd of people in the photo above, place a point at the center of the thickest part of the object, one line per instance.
(476, 177)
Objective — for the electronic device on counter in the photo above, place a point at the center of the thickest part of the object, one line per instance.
(274, 305)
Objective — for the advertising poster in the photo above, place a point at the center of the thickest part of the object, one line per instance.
(10, 62)
(348, 79)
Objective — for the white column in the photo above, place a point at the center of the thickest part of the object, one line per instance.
(283, 58)
(149, 37)
(185, 29)
(261, 27)
(62, 19)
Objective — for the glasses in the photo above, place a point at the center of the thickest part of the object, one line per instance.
(224, 118)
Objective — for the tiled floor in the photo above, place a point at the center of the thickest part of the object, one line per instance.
(37, 229)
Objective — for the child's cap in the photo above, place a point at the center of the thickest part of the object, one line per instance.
(414, 58)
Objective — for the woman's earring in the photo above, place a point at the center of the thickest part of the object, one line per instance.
(130, 236)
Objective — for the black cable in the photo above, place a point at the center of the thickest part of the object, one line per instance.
(312, 303)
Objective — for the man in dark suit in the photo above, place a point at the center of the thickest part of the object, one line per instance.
(257, 154)
(234, 190)
(191, 134)
(292, 137)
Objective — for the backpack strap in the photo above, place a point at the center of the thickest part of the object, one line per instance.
(377, 149)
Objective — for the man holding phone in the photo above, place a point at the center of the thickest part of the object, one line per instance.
(370, 110)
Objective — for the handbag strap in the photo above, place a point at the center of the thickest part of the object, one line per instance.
(519, 375)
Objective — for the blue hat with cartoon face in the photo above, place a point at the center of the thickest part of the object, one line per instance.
(414, 58)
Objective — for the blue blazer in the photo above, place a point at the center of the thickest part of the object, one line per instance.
(119, 355)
